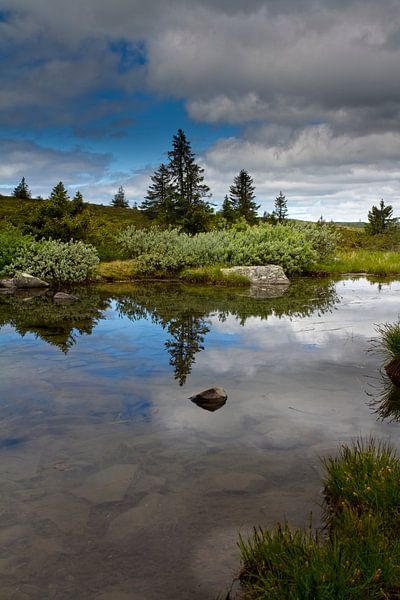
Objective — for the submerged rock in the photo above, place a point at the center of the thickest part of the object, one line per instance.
(61, 297)
(264, 275)
(393, 371)
(24, 280)
(211, 399)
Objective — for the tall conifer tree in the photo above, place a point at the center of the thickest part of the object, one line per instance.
(159, 202)
(119, 200)
(280, 209)
(187, 177)
(22, 191)
(242, 196)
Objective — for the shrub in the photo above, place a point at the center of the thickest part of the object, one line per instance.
(323, 238)
(56, 261)
(169, 250)
(272, 244)
(296, 249)
(11, 242)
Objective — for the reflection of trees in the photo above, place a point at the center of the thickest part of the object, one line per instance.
(187, 338)
(183, 311)
(57, 324)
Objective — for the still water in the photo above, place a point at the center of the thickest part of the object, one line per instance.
(115, 486)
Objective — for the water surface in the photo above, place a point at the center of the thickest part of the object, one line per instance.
(115, 486)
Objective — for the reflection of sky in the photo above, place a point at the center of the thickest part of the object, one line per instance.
(277, 369)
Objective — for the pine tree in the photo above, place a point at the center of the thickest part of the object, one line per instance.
(381, 219)
(22, 191)
(227, 211)
(242, 196)
(159, 202)
(77, 204)
(59, 194)
(281, 210)
(119, 200)
(191, 210)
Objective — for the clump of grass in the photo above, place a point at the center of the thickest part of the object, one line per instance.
(357, 556)
(366, 477)
(213, 275)
(388, 342)
(116, 270)
(374, 262)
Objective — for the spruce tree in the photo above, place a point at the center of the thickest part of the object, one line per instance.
(159, 202)
(281, 210)
(381, 219)
(59, 194)
(119, 200)
(77, 204)
(227, 211)
(242, 196)
(191, 210)
(22, 191)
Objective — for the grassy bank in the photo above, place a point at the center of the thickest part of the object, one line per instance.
(124, 270)
(356, 556)
(360, 260)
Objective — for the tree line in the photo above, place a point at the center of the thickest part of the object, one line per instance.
(179, 197)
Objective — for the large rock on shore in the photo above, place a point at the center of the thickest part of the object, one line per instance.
(24, 280)
(261, 275)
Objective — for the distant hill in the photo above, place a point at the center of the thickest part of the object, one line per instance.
(357, 224)
(14, 212)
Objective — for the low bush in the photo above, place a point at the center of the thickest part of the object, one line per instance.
(11, 242)
(295, 248)
(56, 261)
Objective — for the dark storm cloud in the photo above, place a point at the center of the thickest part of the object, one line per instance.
(230, 60)
(314, 84)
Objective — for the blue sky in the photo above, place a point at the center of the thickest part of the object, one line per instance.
(304, 94)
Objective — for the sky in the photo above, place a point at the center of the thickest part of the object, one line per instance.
(303, 94)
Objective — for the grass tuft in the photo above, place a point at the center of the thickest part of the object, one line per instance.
(358, 554)
(116, 270)
(213, 275)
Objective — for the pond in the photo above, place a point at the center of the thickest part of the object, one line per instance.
(116, 486)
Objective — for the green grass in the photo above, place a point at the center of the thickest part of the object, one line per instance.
(388, 342)
(373, 262)
(356, 556)
(124, 270)
(212, 275)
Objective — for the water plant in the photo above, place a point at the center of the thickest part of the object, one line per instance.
(355, 556)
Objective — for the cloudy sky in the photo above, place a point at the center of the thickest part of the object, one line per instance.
(304, 94)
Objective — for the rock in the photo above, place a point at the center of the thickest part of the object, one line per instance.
(24, 280)
(393, 371)
(267, 275)
(211, 399)
(61, 297)
(7, 283)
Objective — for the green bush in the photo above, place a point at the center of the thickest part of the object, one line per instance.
(155, 250)
(272, 244)
(56, 261)
(11, 242)
(295, 248)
